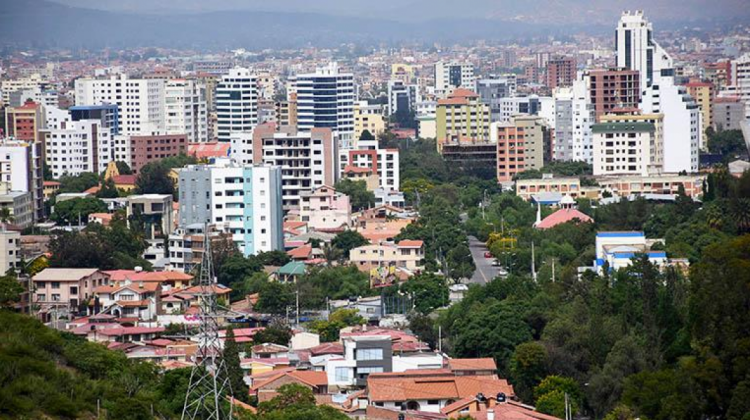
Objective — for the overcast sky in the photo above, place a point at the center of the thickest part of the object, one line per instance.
(597, 11)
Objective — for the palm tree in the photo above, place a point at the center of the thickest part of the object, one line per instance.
(5, 215)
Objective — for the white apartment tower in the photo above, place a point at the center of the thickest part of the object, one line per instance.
(307, 159)
(140, 101)
(452, 75)
(325, 99)
(236, 103)
(75, 147)
(741, 80)
(574, 115)
(682, 124)
(185, 109)
(637, 50)
(243, 200)
(21, 170)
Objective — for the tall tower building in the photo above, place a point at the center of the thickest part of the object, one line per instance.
(637, 50)
(325, 99)
(453, 75)
(140, 101)
(186, 109)
(236, 103)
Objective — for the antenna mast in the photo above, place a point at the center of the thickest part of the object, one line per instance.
(206, 397)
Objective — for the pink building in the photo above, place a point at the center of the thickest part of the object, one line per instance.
(325, 209)
(64, 289)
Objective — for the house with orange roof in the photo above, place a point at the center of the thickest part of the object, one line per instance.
(169, 280)
(317, 382)
(493, 407)
(430, 391)
(473, 367)
(103, 219)
(367, 175)
(136, 299)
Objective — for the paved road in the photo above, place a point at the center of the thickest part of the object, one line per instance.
(485, 272)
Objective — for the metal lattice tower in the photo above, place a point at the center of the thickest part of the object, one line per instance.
(209, 393)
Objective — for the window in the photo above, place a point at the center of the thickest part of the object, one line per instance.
(370, 354)
(342, 374)
(55, 284)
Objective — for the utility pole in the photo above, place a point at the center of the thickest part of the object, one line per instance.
(440, 339)
(533, 264)
(296, 293)
(553, 270)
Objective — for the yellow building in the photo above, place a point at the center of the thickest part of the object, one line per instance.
(368, 117)
(403, 72)
(702, 93)
(462, 118)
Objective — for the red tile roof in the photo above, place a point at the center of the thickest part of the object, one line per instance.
(486, 363)
(209, 150)
(383, 388)
(563, 216)
(327, 348)
(124, 179)
(408, 243)
(302, 253)
(312, 378)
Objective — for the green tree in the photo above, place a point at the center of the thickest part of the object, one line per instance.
(153, 178)
(550, 395)
(108, 190)
(73, 210)
(6, 216)
(366, 135)
(359, 197)
(348, 240)
(427, 290)
(273, 258)
(276, 332)
(231, 356)
(123, 168)
(341, 318)
(528, 367)
(274, 298)
(296, 402)
(78, 183)
(10, 291)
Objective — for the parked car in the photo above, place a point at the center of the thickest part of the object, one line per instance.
(487, 254)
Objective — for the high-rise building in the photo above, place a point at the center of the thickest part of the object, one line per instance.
(613, 89)
(325, 99)
(573, 119)
(9, 86)
(522, 144)
(75, 147)
(702, 93)
(740, 79)
(138, 151)
(140, 101)
(25, 122)
(307, 159)
(453, 75)
(402, 97)
(108, 115)
(462, 117)
(493, 90)
(682, 124)
(727, 113)
(368, 154)
(368, 117)
(637, 50)
(242, 200)
(236, 103)
(623, 148)
(530, 105)
(561, 72)
(21, 169)
(185, 109)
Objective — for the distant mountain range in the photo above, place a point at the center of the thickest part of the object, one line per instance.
(46, 23)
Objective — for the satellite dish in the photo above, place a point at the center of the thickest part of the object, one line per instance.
(501, 397)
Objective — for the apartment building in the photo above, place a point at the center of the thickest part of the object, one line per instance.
(368, 117)
(491, 92)
(402, 97)
(307, 158)
(25, 122)
(139, 150)
(140, 101)
(727, 113)
(702, 93)
(407, 255)
(65, 289)
(236, 103)
(463, 117)
(186, 111)
(368, 154)
(21, 172)
(522, 144)
(740, 79)
(242, 200)
(560, 72)
(451, 75)
(613, 89)
(325, 209)
(10, 250)
(75, 147)
(623, 148)
(325, 99)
